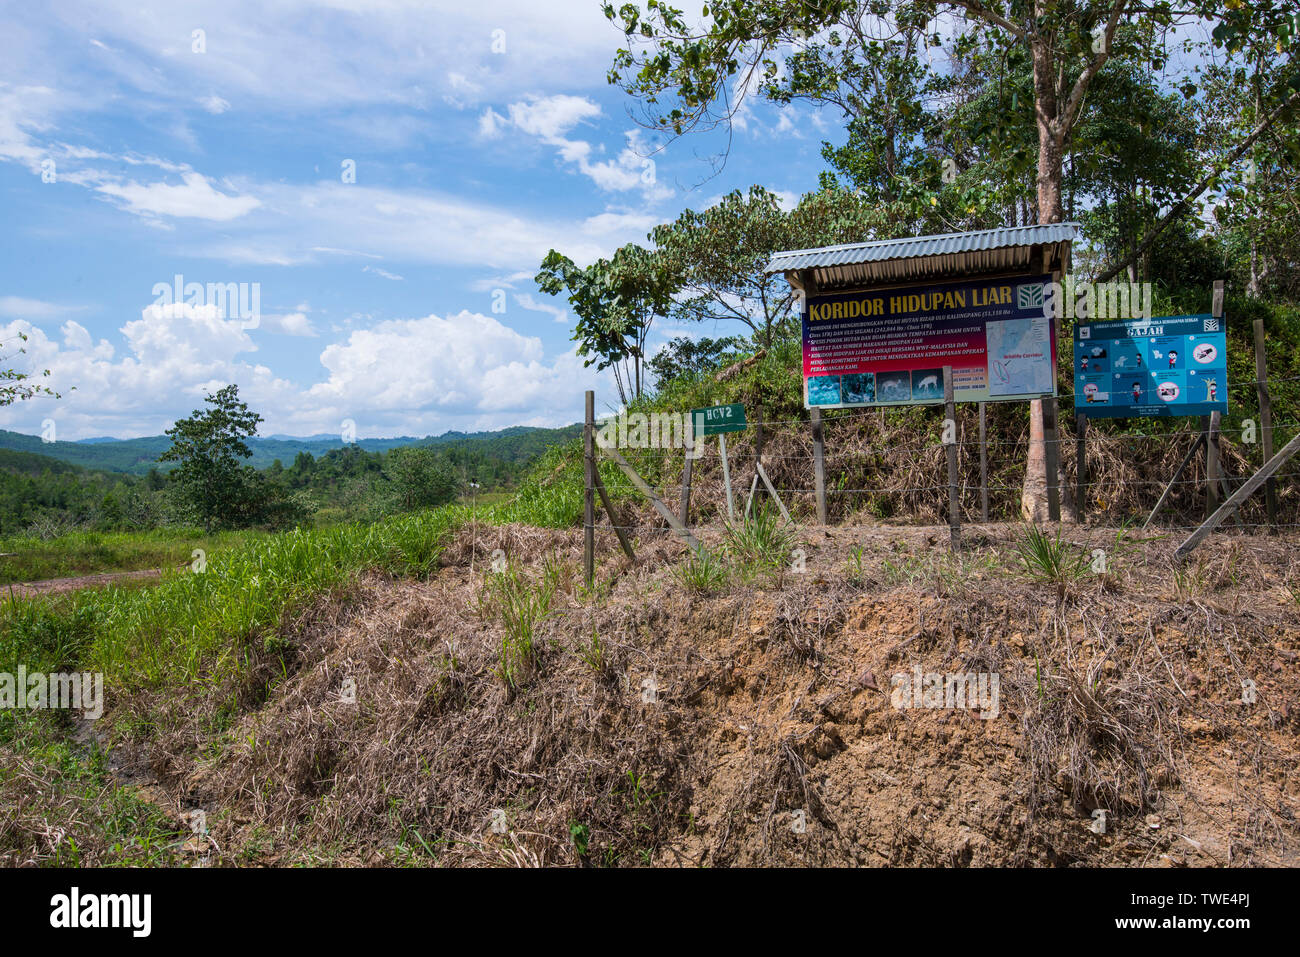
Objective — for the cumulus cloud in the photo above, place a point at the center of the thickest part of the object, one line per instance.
(490, 124)
(551, 118)
(289, 324)
(405, 376)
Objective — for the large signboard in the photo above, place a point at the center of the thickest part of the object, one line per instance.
(889, 347)
(1168, 365)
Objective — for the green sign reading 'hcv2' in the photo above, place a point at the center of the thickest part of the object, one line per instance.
(717, 419)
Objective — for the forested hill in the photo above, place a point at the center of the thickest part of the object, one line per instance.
(137, 456)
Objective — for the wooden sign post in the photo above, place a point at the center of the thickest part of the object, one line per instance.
(819, 464)
(1265, 423)
(1210, 426)
(726, 477)
(589, 491)
(719, 420)
(984, 463)
(954, 503)
(1080, 467)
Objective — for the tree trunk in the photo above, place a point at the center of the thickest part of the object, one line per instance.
(1033, 496)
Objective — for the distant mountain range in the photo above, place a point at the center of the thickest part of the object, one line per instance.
(137, 456)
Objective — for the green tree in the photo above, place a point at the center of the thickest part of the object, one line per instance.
(420, 477)
(724, 250)
(691, 74)
(210, 482)
(616, 301)
(682, 356)
(1259, 210)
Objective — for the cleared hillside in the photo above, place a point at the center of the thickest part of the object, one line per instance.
(757, 723)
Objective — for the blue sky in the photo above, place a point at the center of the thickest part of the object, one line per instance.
(134, 149)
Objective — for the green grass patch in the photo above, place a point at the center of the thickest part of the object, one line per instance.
(1047, 558)
(31, 558)
(200, 623)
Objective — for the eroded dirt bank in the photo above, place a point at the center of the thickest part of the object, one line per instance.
(755, 725)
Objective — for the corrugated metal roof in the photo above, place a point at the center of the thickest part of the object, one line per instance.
(984, 250)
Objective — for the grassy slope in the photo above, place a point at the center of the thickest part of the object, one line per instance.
(191, 631)
(212, 628)
(83, 553)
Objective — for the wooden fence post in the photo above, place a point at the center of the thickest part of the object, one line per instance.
(1265, 423)
(1081, 467)
(819, 465)
(1051, 452)
(1236, 498)
(984, 463)
(1191, 453)
(954, 504)
(1213, 463)
(1213, 458)
(726, 475)
(589, 504)
(619, 530)
(641, 486)
(686, 470)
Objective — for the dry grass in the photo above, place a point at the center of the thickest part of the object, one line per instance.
(664, 728)
(889, 466)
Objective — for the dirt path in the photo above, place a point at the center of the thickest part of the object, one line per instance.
(53, 586)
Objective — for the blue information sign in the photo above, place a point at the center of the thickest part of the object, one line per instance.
(1168, 365)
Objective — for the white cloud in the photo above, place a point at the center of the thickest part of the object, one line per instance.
(289, 324)
(408, 376)
(558, 313)
(214, 104)
(549, 118)
(490, 124)
(501, 282)
(194, 198)
(300, 55)
(786, 199)
(299, 224)
(382, 272)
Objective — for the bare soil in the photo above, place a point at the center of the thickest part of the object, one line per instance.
(53, 586)
(758, 725)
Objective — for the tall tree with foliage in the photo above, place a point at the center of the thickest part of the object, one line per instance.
(210, 481)
(616, 301)
(855, 54)
(724, 250)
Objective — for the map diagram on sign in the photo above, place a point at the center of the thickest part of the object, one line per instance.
(1019, 356)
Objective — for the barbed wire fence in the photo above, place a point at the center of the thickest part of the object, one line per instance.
(893, 470)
